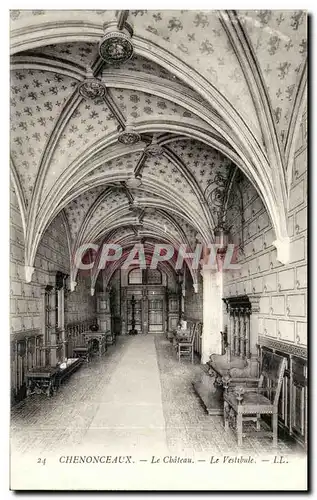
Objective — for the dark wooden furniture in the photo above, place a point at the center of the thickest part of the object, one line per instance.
(172, 310)
(244, 403)
(26, 353)
(293, 403)
(96, 338)
(150, 308)
(198, 339)
(239, 358)
(133, 330)
(41, 380)
(47, 379)
(63, 372)
(185, 345)
(74, 333)
(110, 338)
(82, 352)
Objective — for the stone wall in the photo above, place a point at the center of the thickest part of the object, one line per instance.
(193, 301)
(282, 288)
(53, 255)
(115, 283)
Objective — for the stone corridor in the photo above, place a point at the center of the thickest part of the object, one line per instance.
(137, 398)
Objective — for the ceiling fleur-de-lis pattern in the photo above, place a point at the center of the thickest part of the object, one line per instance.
(279, 39)
(78, 208)
(18, 17)
(188, 229)
(90, 122)
(141, 194)
(125, 163)
(164, 169)
(112, 201)
(201, 68)
(135, 104)
(207, 164)
(198, 38)
(142, 65)
(161, 221)
(80, 53)
(37, 99)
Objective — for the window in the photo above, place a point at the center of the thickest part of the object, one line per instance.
(154, 277)
(135, 277)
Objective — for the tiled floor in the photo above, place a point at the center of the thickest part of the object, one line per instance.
(137, 397)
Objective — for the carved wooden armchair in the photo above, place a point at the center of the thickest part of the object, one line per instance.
(185, 345)
(183, 334)
(248, 404)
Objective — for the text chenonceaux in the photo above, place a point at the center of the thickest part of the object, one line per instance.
(168, 459)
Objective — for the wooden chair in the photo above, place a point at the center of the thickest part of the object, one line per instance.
(185, 346)
(248, 404)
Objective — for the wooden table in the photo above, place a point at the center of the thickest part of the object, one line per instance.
(41, 380)
(82, 352)
(47, 379)
(110, 337)
(100, 337)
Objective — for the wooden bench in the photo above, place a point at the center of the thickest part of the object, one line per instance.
(47, 379)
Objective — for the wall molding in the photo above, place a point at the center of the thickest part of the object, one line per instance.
(279, 345)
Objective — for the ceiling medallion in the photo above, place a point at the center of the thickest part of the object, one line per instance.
(92, 88)
(134, 183)
(129, 137)
(116, 47)
(154, 150)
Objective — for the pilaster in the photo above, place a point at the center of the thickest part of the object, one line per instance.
(254, 324)
(103, 311)
(212, 312)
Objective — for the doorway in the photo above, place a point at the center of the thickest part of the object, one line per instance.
(156, 320)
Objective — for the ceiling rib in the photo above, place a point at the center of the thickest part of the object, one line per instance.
(122, 17)
(112, 105)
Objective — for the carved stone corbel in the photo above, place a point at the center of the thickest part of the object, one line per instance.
(29, 270)
(282, 246)
(73, 285)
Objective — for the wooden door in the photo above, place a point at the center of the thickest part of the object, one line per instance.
(156, 315)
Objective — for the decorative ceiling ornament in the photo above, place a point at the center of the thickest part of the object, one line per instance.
(129, 136)
(134, 182)
(92, 88)
(116, 47)
(222, 239)
(154, 149)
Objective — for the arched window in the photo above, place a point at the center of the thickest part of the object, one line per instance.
(135, 277)
(154, 277)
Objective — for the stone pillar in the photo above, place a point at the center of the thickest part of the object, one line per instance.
(61, 321)
(212, 313)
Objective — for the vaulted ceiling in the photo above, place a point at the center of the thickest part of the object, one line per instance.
(202, 94)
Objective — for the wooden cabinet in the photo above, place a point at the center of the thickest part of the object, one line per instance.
(172, 311)
(293, 403)
(103, 311)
